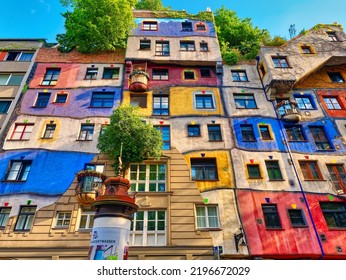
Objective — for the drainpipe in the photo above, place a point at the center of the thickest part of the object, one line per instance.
(291, 159)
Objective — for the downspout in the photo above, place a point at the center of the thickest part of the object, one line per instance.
(291, 159)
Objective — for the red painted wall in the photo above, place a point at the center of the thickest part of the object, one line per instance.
(341, 97)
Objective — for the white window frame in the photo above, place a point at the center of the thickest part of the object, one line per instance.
(84, 134)
(89, 216)
(206, 216)
(198, 93)
(63, 217)
(147, 182)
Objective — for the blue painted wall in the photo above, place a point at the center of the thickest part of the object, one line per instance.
(51, 173)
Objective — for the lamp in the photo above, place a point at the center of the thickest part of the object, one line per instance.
(237, 238)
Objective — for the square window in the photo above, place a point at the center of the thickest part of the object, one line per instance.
(253, 171)
(63, 219)
(271, 216)
(280, 62)
(244, 101)
(207, 216)
(42, 99)
(334, 213)
(203, 169)
(162, 48)
(265, 132)
(4, 216)
(139, 100)
(304, 102)
(239, 76)
(61, 98)
(25, 218)
(86, 132)
(166, 136)
(22, 131)
(201, 27)
(203, 47)
(51, 77)
(214, 132)
(161, 105)
(332, 103)
(91, 74)
(104, 99)
(310, 170)
(247, 133)
(295, 133)
(49, 131)
(204, 101)
(149, 25)
(187, 46)
(186, 26)
(320, 137)
(148, 177)
(12, 55)
(336, 77)
(306, 49)
(111, 73)
(332, 36)
(144, 44)
(4, 106)
(189, 75)
(205, 72)
(193, 130)
(297, 218)
(273, 169)
(160, 74)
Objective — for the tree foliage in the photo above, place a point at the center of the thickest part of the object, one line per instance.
(96, 25)
(140, 139)
(238, 38)
(152, 5)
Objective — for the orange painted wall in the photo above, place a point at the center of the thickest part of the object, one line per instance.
(340, 95)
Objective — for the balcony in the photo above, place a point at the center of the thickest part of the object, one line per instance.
(138, 81)
(89, 186)
(288, 111)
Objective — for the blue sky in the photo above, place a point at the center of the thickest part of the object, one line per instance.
(42, 18)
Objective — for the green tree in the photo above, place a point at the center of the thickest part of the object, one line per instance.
(96, 25)
(140, 139)
(153, 5)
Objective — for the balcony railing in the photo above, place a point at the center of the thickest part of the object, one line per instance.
(288, 111)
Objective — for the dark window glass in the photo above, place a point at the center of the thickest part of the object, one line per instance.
(42, 99)
(25, 218)
(18, 170)
(271, 216)
(193, 130)
(187, 46)
(51, 77)
(139, 100)
(203, 47)
(204, 101)
(186, 26)
(296, 217)
(4, 106)
(336, 77)
(295, 133)
(320, 138)
(144, 44)
(86, 132)
(247, 132)
(160, 74)
(111, 73)
(162, 48)
(214, 132)
(265, 133)
(105, 99)
(189, 75)
(200, 27)
(310, 170)
(61, 98)
(273, 169)
(205, 72)
(334, 214)
(254, 171)
(239, 76)
(203, 169)
(245, 101)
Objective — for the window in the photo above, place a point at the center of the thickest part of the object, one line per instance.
(247, 132)
(149, 25)
(332, 36)
(204, 101)
(214, 132)
(61, 98)
(166, 137)
(201, 27)
(49, 131)
(310, 170)
(91, 74)
(239, 76)
(262, 69)
(193, 130)
(273, 169)
(18, 170)
(63, 219)
(244, 101)
(4, 216)
(160, 74)
(161, 105)
(139, 100)
(96, 167)
(264, 132)
(336, 77)
(203, 47)
(337, 177)
(22, 131)
(86, 132)
(144, 44)
(205, 72)
(320, 138)
(254, 171)
(104, 99)
(11, 79)
(25, 218)
(295, 133)
(111, 73)
(12, 56)
(86, 220)
(189, 75)
(334, 213)
(207, 216)
(203, 169)
(271, 216)
(148, 177)
(148, 228)
(51, 77)
(186, 26)
(304, 102)
(162, 48)
(297, 218)
(280, 62)
(187, 46)
(26, 56)
(19, 56)
(306, 49)
(42, 99)
(4, 106)
(332, 103)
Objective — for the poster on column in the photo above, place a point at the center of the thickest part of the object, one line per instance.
(109, 244)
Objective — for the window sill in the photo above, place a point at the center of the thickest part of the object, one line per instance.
(276, 180)
(300, 226)
(194, 136)
(326, 150)
(250, 141)
(101, 107)
(209, 229)
(203, 180)
(318, 180)
(240, 81)
(13, 181)
(215, 140)
(81, 140)
(257, 178)
(38, 107)
(110, 78)
(59, 103)
(337, 229)
(272, 229)
(14, 140)
(246, 108)
(307, 141)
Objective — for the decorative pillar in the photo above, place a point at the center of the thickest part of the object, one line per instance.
(111, 230)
